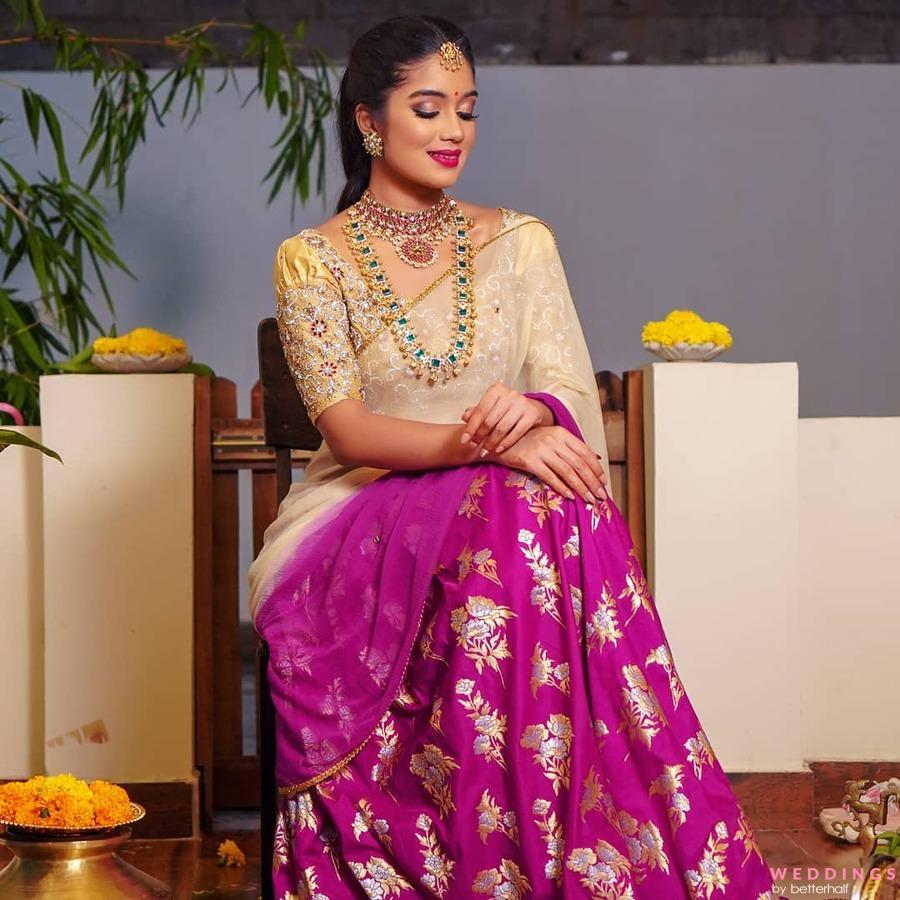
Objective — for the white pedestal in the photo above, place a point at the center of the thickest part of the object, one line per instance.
(849, 542)
(118, 575)
(722, 494)
(22, 608)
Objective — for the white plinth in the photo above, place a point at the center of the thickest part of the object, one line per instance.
(118, 574)
(722, 456)
(21, 608)
(849, 542)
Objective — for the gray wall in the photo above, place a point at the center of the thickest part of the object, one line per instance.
(765, 197)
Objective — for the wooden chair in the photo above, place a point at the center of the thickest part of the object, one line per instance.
(287, 427)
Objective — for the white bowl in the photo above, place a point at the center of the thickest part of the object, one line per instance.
(681, 351)
(137, 362)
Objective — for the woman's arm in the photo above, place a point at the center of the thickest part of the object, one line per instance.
(360, 437)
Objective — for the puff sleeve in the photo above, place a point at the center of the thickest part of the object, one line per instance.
(314, 327)
(557, 359)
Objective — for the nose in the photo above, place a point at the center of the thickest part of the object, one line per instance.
(453, 132)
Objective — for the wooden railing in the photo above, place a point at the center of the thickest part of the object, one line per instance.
(225, 645)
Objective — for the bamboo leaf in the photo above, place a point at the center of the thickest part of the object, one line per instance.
(11, 315)
(56, 136)
(37, 15)
(32, 115)
(7, 436)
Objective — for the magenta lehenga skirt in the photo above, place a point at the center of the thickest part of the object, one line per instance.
(475, 696)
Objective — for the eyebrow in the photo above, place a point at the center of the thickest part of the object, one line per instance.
(430, 92)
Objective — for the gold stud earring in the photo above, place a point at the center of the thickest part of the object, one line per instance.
(373, 143)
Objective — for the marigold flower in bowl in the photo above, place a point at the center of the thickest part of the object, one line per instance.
(140, 350)
(63, 803)
(683, 335)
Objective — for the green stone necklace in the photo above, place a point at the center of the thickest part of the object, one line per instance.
(421, 360)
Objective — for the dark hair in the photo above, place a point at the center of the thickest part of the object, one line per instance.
(375, 67)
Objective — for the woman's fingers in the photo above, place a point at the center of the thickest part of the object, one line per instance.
(588, 465)
(474, 427)
(570, 475)
(522, 428)
(486, 429)
(501, 433)
(551, 479)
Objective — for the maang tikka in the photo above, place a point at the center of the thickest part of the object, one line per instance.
(451, 57)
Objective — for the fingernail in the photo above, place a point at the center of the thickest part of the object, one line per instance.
(570, 495)
(499, 448)
(465, 437)
(483, 452)
(588, 498)
(599, 492)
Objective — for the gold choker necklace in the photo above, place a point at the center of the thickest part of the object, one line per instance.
(413, 235)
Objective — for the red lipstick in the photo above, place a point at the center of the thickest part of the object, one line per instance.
(446, 157)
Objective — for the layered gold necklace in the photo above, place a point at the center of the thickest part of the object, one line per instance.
(422, 361)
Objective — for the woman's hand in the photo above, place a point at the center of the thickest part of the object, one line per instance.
(558, 458)
(502, 416)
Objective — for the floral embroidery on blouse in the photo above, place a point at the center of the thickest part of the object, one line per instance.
(315, 335)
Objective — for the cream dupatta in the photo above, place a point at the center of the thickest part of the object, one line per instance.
(527, 335)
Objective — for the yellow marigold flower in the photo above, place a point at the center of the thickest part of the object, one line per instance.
(685, 326)
(142, 341)
(63, 801)
(229, 854)
(111, 803)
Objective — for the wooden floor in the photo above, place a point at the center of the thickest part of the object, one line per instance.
(189, 866)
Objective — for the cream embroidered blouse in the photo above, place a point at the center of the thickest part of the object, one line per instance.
(527, 335)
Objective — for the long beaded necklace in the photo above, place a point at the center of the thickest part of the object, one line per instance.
(412, 234)
(421, 360)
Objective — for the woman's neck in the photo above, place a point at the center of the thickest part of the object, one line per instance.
(407, 197)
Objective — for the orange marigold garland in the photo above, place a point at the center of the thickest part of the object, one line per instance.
(64, 801)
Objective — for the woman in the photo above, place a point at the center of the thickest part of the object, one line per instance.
(474, 693)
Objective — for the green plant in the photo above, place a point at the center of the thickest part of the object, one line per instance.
(7, 437)
(57, 228)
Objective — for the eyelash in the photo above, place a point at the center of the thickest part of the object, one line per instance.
(431, 114)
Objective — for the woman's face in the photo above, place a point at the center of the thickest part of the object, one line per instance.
(431, 111)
